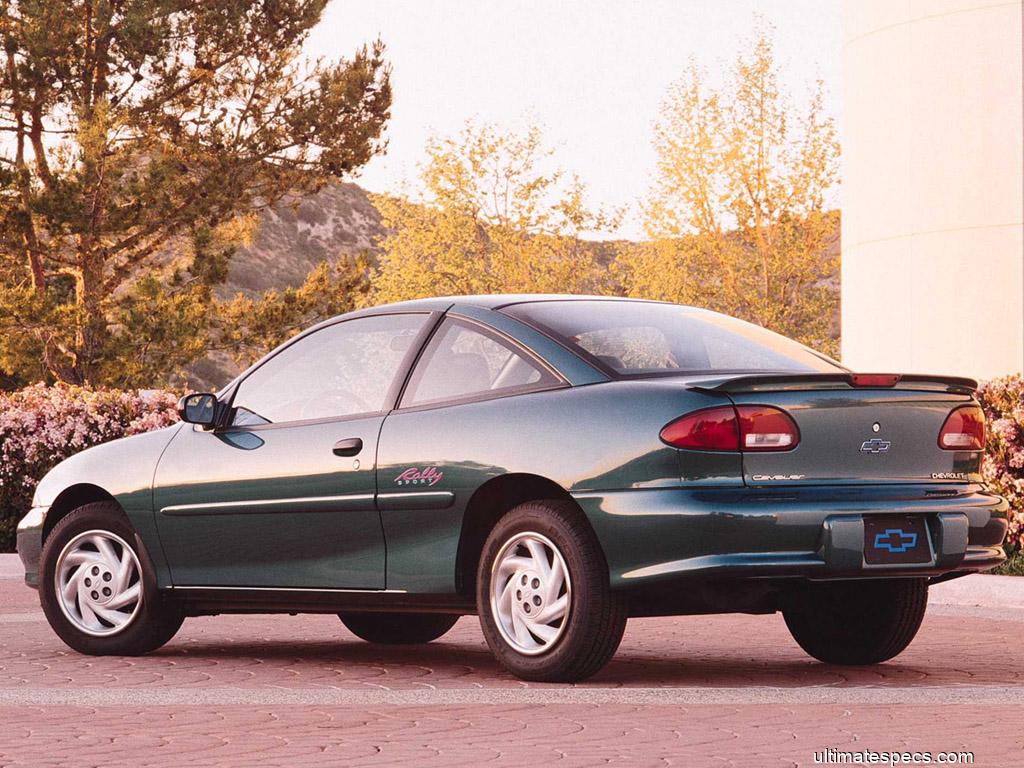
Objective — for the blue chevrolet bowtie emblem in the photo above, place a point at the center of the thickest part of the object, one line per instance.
(895, 540)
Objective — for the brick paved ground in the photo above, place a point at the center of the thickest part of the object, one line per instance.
(296, 691)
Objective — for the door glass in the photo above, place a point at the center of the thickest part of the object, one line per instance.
(341, 370)
(463, 361)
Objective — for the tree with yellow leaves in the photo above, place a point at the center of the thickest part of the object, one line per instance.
(736, 220)
(489, 217)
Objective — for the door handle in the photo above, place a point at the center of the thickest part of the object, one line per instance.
(350, 446)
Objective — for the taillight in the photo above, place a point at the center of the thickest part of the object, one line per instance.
(963, 430)
(728, 428)
(763, 428)
(712, 429)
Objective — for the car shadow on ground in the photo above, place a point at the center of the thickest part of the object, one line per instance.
(471, 662)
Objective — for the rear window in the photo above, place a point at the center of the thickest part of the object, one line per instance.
(636, 338)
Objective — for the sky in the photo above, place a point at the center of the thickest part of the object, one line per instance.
(593, 73)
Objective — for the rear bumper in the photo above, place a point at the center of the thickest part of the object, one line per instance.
(656, 537)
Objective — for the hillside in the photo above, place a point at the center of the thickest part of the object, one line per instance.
(290, 240)
(296, 235)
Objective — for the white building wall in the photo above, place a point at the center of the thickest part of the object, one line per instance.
(933, 186)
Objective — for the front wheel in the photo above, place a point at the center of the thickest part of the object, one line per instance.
(398, 628)
(546, 608)
(98, 589)
(856, 622)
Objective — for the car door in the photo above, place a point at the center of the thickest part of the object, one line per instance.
(284, 495)
(444, 441)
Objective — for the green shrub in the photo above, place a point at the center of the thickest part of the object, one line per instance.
(1014, 566)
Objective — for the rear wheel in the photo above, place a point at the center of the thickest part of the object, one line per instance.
(398, 628)
(857, 622)
(545, 604)
(98, 588)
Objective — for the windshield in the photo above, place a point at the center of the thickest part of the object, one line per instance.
(638, 338)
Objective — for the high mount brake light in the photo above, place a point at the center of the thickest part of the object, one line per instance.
(875, 379)
(754, 428)
(963, 430)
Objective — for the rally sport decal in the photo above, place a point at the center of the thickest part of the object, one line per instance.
(416, 476)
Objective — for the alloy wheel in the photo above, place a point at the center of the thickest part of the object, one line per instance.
(531, 593)
(98, 583)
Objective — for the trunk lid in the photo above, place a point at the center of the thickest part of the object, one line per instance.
(855, 434)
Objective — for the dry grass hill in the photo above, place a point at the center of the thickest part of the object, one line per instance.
(297, 235)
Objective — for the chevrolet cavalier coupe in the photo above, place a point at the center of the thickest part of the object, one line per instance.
(555, 464)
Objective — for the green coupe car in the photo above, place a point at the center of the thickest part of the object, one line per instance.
(554, 464)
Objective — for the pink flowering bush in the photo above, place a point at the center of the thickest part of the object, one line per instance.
(43, 425)
(1003, 401)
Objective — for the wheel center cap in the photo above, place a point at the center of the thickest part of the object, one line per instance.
(97, 585)
(529, 594)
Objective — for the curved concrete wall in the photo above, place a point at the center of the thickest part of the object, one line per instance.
(933, 186)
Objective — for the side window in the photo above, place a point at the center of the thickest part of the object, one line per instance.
(340, 370)
(464, 361)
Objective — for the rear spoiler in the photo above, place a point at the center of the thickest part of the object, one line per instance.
(774, 382)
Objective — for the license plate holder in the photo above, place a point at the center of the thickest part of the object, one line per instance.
(896, 540)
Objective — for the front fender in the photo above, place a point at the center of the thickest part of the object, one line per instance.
(122, 469)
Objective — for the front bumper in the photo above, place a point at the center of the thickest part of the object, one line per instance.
(659, 536)
(30, 543)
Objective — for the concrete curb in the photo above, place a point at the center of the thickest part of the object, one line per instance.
(548, 695)
(981, 590)
(10, 567)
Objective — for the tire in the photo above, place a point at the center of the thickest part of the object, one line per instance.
(588, 618)
(857, 622)
(149, 621)
(398, 628)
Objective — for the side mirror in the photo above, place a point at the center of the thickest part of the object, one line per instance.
(199, 409)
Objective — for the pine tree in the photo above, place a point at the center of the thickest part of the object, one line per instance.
(138, 138)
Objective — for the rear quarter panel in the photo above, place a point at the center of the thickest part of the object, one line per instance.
(589, 438)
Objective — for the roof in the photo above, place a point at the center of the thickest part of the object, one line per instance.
(488, 301)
